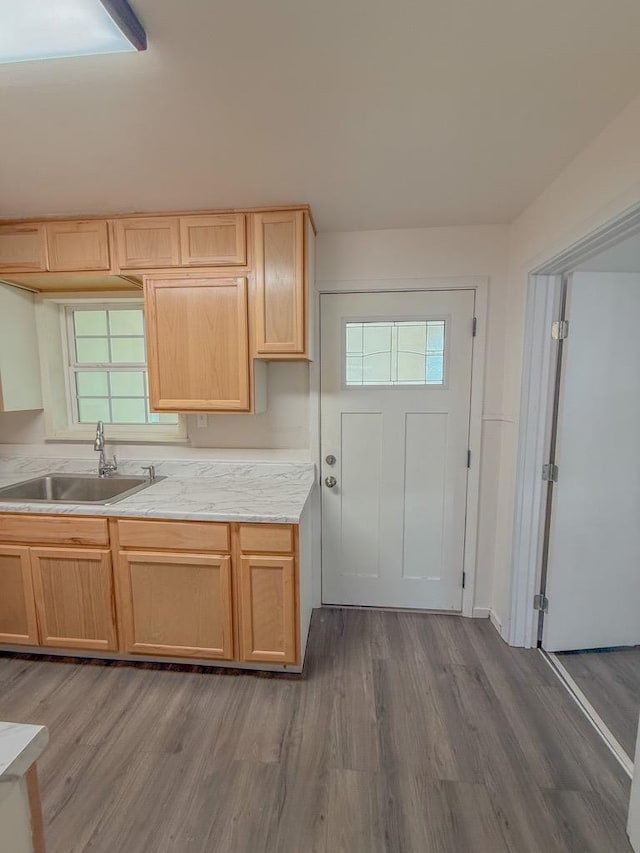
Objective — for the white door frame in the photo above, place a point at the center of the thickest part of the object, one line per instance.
(536, 405)
(481, 287)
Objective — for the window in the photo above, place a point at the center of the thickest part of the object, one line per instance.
(390, 352)
(107, 366)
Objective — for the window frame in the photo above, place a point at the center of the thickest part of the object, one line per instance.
(57, 357)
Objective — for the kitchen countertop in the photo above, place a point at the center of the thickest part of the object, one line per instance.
(20, 746)
(273, 492)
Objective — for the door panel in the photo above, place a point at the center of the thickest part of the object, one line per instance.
(593, 574)
(17, 607)
(393, 525)
(74, 596)
(268, 609)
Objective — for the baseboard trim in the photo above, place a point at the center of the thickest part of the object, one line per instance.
(589, 711)
(488, 613)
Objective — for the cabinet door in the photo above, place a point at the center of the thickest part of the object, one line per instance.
(18, 623)
(197, 344)
(176, 604)
(74, 597)
(23, 248)
(212, 240)
(78, 245)
(148, 242)
(280, 309)
(268, 609)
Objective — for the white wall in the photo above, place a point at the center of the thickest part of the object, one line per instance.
(602, 182)
(350, 260)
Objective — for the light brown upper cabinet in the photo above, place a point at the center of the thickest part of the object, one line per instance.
(78, 245)
(213, 240)
(280, 303)
(148, 242)
(197, 343)
(23, 248)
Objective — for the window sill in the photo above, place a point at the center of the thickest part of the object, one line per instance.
(116, 437)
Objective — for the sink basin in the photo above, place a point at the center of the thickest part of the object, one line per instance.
(75, 489)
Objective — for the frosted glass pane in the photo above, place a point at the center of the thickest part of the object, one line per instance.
(411, 367)
(412, 337)
(129, 350)
(377, 338)
(377, 368)
(90, 411)
(390, 352)
(90, 322)
(435, 368)
(92, 384)
(354, 338)
(92, 350)
(435, 337)
(126, 322)
(127, 383)
(354, 370)
(128, 411)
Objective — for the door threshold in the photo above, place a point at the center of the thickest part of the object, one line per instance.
(589, 711)
(392, 609)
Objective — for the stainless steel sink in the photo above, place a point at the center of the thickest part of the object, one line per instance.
(75, 489)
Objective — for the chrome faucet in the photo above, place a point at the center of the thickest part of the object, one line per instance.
(106, 467)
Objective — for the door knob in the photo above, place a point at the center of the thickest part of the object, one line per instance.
(330, 482)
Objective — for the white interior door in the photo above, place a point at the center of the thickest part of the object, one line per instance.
(396, 385)
(593, 582)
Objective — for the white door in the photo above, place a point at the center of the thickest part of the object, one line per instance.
(396, 385)
(593, 582)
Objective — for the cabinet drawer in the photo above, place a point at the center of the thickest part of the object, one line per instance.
(266, 538)
(54, 529)
(174, 535)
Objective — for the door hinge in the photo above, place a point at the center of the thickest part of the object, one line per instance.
(474, 327)
(560, 330)
(541, 602)
(464, 579)
(468, 459)
(550, 472)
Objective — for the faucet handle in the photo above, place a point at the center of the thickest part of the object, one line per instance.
(151, 469)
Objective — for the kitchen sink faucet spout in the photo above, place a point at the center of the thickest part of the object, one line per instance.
(106, 467)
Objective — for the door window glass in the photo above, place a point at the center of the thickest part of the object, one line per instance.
(394, 352)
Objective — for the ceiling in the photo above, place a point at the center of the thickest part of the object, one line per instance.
(379, 113)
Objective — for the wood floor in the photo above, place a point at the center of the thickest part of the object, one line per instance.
(611, 682)
(411, 733)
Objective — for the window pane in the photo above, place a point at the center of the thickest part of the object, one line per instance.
(127, 383)
(128, 411)
(126, 322)
(91, 410)
(92, 383)
(435, 369)
(90, 322)
(389, 352)
(92, 350)
(161, 418)
(127, 350)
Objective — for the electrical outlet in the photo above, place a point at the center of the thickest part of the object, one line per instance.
(202, 421)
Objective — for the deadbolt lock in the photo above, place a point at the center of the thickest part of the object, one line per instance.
(330, 459)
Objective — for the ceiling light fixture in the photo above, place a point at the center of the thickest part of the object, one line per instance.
(49, 29)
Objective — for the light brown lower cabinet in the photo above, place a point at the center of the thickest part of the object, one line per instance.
(267, 609)
(17, 605)
(176, 604)
(74, 597)
(173, 589)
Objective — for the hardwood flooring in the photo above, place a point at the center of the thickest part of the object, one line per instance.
(611, 682)
(411, 733)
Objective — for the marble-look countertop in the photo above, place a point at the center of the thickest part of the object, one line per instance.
(273, 492)
(20, 746)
